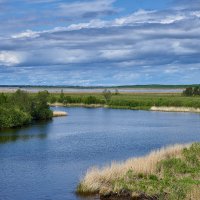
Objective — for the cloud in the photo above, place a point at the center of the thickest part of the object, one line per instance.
(25, 14)
(9, 58)
(184, 4)
(87, 9)
(119, 40)
(26, 34)
(146, 46)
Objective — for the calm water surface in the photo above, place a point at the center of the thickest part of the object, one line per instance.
(46, 160)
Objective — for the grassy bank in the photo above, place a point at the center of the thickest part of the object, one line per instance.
(17, 109)
(126, 101)
(169, 174)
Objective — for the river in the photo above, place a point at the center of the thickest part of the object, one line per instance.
(45, 161)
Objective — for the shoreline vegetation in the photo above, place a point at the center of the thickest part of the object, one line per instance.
(153, 108)
(175, 109)
(170, 173)
(22, 108)
(59, 114)
(185, 102)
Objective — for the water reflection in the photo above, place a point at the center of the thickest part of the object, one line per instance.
(35, 131)
(13, 138)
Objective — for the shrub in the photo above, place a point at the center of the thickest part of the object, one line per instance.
(107, 95)
(21, 108)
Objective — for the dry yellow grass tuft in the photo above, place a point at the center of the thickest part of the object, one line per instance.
(100, 180)
(175, 109)
(59, 113)
(194, 194)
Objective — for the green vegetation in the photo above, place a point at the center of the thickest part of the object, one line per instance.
(169, 174)
(107, 95)
(127, 101)
(192, 91)
(175, 177)
(21, 108)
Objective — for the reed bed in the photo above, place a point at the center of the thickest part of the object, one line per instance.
(101, 179)
(175, 109)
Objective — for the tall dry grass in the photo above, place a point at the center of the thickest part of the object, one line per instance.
(59, 113)
(100, 179)
(194, 194)
(175, 109)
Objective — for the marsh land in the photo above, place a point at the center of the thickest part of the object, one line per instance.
(51, 158)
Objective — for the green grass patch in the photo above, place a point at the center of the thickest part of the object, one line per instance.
(174, 179)
(129, 101)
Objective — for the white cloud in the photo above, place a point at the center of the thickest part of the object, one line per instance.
(9, 58)
(26, 34)
(79, 8)
(116, 54)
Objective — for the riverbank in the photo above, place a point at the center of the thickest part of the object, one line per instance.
(170, 173)
(125, 101)
(77, 105)
(153, 108)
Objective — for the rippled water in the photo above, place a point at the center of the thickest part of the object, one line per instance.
(46, 160)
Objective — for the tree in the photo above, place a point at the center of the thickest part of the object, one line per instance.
(196, 91)
(40, 107)
(107, 95)
(192, 91)
(62, 97)
(188, 91)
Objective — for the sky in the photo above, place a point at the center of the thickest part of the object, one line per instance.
(99, 42)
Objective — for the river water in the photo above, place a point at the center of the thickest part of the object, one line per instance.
(46, 160)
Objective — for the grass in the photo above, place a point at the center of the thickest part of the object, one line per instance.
(134, 101)
(172, 173)
(59, 113)
(175, 109)
(129, 101)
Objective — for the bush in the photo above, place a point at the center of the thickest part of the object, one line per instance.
(107, 95)
(22, 108)
(192, 91)
(12, 117)
(91, 100)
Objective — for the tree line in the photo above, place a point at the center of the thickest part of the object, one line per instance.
(21, 108)
(192, 91)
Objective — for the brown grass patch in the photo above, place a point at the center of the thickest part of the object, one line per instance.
(59, 113)
(100, 179)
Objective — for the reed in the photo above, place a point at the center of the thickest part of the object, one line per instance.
(169, 173)
(59, 113)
